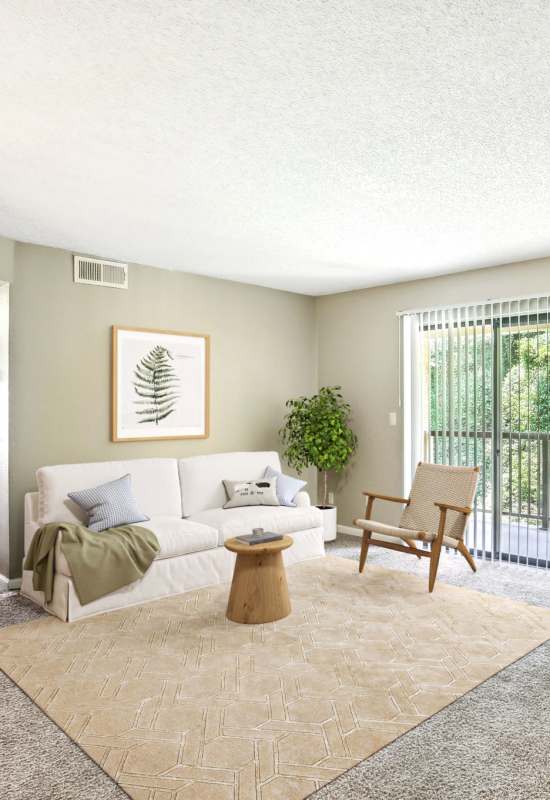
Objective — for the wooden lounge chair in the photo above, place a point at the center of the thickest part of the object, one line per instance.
(436, 511)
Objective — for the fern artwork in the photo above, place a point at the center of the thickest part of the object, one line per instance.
(156, 385)
(160, 385)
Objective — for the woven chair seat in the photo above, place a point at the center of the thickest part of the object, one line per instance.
(403, 533)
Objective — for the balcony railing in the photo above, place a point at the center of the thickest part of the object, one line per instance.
(508, 469)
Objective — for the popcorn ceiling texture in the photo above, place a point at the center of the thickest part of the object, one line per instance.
(311, 146)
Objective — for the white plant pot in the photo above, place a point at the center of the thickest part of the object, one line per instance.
(329, 522)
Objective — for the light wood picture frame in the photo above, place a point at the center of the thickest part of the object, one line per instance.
(160, 385)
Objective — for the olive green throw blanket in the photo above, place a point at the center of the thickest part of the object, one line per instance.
(100, 563)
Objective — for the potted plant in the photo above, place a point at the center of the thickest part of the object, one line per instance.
(316, 433)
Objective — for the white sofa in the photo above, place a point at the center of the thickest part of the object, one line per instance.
(184, 500)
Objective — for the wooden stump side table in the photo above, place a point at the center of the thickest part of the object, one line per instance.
(259, 591)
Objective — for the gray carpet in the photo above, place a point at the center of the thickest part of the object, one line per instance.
(37, 760)
(15, 609)
(492, 744)
(530, 584)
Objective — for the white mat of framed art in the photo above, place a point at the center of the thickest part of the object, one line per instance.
(160, 384)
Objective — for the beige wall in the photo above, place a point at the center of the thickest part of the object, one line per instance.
(7, 250)
(266, 346)
(263, 351)
(4, 428)
(358, 349)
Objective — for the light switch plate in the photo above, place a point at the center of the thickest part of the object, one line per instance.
(392, 418)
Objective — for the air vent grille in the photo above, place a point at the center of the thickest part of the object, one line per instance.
(101, 273)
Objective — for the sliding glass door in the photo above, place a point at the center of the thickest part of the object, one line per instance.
(486, 401)
(524, 426)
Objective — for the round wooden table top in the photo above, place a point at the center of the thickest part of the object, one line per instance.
(242, 548)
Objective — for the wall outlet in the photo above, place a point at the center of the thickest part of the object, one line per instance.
(331, 498)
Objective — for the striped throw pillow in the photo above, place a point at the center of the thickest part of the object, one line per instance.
(109, 505)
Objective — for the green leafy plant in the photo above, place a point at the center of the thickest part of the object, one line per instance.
(316, 433)
(155, 384)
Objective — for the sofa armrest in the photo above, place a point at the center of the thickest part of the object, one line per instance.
(31, 517)
(302, 500)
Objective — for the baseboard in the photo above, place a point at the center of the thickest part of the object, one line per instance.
(349, 531)
(13, 583)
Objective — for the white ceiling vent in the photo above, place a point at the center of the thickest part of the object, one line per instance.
(100, 272)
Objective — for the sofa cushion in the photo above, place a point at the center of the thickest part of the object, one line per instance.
(155, 485)
(201, 476)
(109, 504)
(251, 493)
(176, 537)
(278, 519)
(287, 486)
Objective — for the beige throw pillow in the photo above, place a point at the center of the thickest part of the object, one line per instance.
(262, 492)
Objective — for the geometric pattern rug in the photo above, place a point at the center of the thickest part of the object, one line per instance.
(175, 702)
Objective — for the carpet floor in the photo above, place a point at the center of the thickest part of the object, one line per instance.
(491, 744)
(37, 759)
(512, 708)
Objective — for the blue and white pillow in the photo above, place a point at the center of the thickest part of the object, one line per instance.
(109, 505)
(287, 486)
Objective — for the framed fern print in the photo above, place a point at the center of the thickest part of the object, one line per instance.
(160, 385)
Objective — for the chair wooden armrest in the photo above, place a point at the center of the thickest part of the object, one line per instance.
(449, 507)
(387, 497)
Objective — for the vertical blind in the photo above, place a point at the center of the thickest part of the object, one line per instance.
(476, 391)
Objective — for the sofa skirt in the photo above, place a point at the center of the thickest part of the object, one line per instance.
(165, 577)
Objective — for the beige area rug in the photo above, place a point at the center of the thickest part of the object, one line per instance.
(177, 703)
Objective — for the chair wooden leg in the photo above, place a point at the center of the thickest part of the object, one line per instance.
(467, 555)
(413, 548)
(364, 550)
(434, 563)
(436, 549)
(366, 535)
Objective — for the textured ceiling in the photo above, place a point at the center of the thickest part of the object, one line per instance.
(311, 146)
